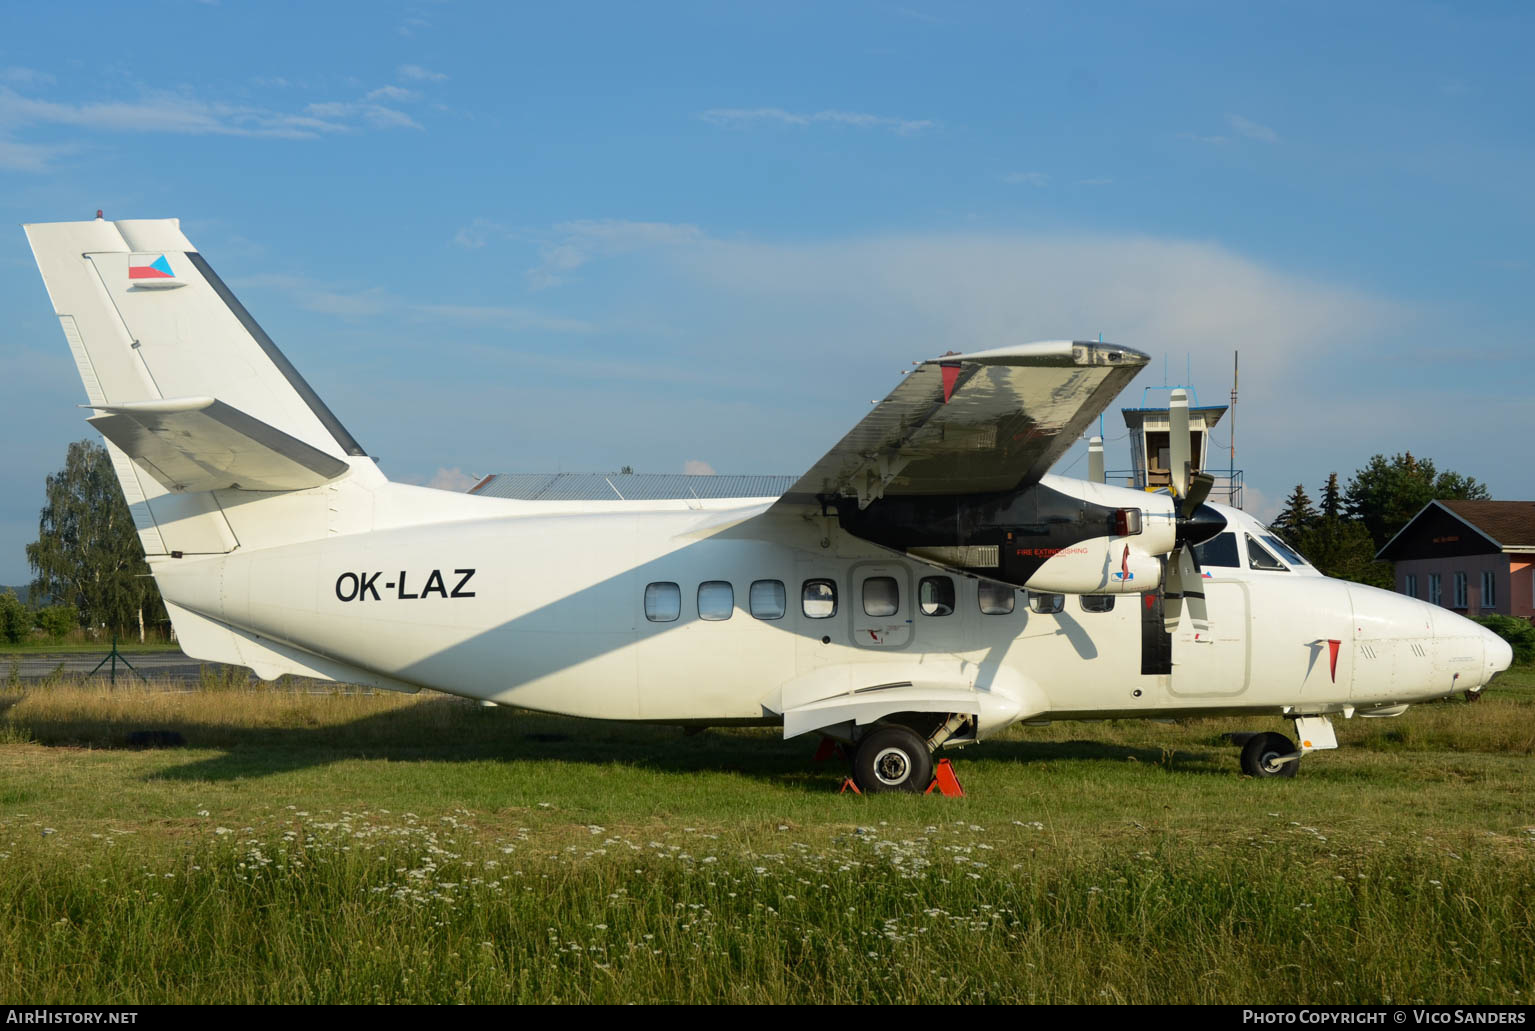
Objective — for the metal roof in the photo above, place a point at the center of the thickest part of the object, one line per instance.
(628, 486)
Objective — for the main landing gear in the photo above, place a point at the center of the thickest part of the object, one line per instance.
(894, 757)
(1274, 755)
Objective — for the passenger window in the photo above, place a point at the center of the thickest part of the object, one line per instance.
(767, 599)
(881, 596)
(1259, 558)
(1097, 603)
(663, 602)
(1220, 550)
(1046, 603)
(818, 600)
(716, 600)
(996, 599)
(935, 595)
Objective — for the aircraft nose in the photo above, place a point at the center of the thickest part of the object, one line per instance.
(1500, 654)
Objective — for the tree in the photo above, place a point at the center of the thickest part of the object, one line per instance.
(87, 553)
(15, 618)
(1337, 545)
(1384, 495)
(1297, 517)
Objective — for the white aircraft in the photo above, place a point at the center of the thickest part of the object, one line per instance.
(925, 584)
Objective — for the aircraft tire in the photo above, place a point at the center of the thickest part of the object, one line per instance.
(1261, 748)
(892, 758)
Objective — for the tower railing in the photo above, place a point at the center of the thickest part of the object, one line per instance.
(1227, 489)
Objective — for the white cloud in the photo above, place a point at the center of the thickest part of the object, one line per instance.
(573, 244)
(376, 115)
(411, 25)
(1253, 130)
(31, 157)
(734, 116)
(477, 234)
(417, 73)
(163, 112)
(315, 296)
(392, 93)
(25, 76)
(1027, 178)
(452, 479)
(1245, 127)
(502, 317)
(697, 467)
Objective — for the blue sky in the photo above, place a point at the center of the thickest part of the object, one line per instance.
(578, 236)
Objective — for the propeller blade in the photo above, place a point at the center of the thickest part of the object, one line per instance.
(1178, 442)
(1172, 595)
(1193, 589)
(1199, 489)
(1185, 593)
(1095, 460)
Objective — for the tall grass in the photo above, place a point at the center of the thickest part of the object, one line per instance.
(351, 847)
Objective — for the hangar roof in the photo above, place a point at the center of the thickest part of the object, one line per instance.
(628, 486)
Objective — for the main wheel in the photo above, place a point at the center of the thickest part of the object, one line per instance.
(892, 758)
(1261, 750)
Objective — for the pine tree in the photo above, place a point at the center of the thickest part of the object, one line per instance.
(1297, 518)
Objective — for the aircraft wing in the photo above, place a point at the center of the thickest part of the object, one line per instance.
(973, 423)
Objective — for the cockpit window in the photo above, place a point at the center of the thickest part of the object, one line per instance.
(1288, 553)
(1220, 550)
(1259, 557)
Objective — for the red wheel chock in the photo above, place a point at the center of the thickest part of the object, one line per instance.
(848, 785)
(829, 749)
(944, 781)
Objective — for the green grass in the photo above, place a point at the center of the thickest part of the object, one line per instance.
(48, 646)
(379, 848)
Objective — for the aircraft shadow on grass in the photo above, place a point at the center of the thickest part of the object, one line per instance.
(450, 730)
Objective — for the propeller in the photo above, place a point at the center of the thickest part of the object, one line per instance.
(1197, 523)
(1095, 459)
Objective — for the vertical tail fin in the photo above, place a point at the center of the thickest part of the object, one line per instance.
(194, 397)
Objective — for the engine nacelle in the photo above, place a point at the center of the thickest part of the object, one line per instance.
(1103, 565)
(1061, 536)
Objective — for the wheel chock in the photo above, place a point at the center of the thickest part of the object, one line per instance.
(848, 785)
(945, 781)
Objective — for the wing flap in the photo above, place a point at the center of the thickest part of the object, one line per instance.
(985, 422)
(193, 444)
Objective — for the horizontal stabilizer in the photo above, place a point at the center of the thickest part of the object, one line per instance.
(193, 444)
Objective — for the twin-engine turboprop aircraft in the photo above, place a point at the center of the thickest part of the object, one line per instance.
(924, 585)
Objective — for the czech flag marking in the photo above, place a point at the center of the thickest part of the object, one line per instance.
(159, 268)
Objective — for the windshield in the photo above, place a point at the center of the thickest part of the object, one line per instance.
(1284, 549)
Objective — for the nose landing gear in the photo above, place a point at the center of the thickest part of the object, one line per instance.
(1274, 755)
(1270, 755)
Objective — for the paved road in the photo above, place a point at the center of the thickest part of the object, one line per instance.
(155, 665)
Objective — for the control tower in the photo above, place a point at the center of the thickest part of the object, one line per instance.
(1149, 430)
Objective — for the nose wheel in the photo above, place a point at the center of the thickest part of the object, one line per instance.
(1270, 755)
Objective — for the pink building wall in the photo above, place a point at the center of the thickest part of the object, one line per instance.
(1515, 587)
